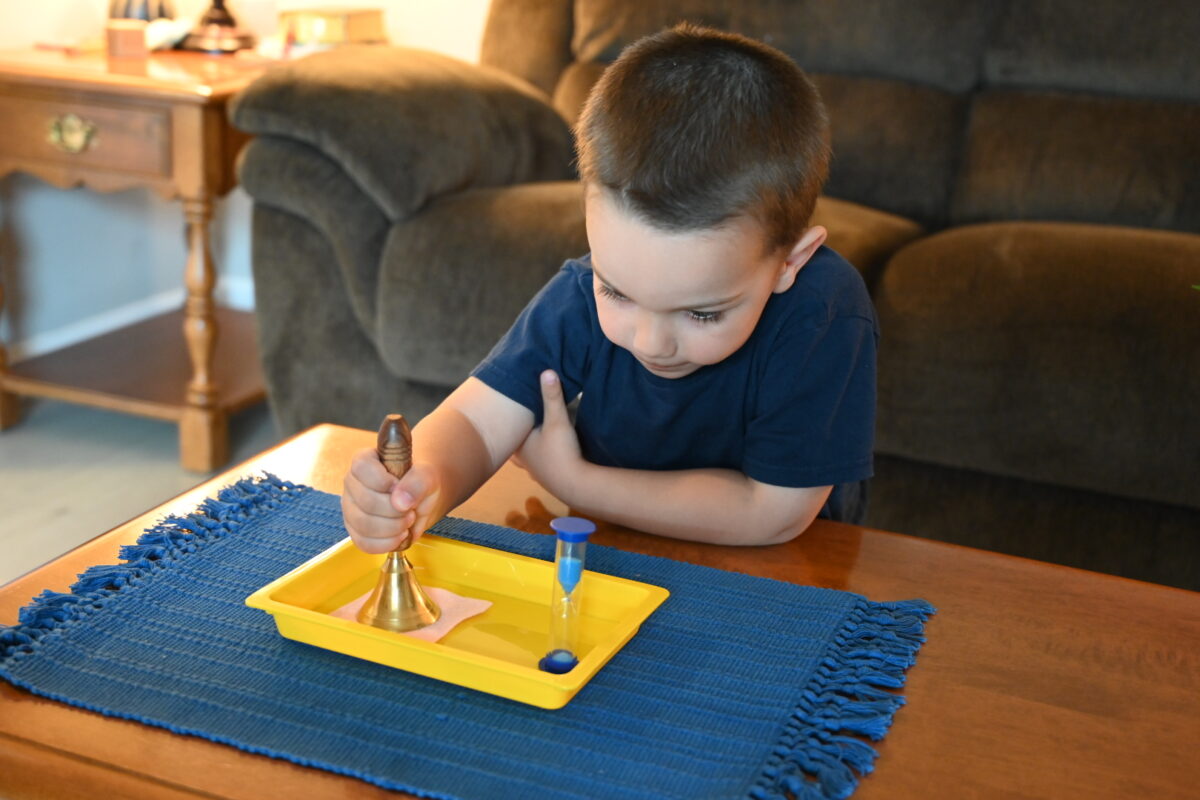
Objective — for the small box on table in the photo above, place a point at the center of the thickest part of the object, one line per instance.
(333, 26)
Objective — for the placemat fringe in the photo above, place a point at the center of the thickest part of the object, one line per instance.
(170, 539)
(814, 759)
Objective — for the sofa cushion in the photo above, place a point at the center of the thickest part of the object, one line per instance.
(1128, 47)
(1061, 353)
(861, 235)
(1054, 156)
(441, 308)
(895, 144)
(934, 42)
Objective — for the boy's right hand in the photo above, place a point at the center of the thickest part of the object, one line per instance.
(383, 513)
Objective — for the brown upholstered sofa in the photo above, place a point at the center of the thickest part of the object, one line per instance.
(1018, 181)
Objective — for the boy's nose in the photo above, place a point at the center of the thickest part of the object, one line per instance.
(652, 339)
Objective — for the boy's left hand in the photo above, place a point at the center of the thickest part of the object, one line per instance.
(551, 452)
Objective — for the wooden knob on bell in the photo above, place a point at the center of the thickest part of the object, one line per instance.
(394, 445)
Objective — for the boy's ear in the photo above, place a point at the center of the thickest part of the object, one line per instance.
(801, 252)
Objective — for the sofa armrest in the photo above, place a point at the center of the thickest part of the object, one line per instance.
(409, 125)
(290, 176)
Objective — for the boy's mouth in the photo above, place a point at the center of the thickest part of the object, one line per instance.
(664, 369)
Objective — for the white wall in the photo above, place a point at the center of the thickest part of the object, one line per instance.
(75, 263)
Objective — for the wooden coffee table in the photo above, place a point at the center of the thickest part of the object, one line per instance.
(1037, 681)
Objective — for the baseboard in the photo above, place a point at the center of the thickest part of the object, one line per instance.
(235, 292)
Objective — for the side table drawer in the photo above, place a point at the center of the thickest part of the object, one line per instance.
(91, 135)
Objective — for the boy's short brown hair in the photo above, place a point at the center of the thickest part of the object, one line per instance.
(692, 127)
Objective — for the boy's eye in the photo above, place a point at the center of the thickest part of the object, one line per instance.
(604, 290)
(705, 316)
(610, 292)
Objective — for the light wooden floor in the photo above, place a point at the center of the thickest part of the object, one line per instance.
(69, 473)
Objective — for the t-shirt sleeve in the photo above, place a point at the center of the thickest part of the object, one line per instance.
(552, 332)
(814, 417)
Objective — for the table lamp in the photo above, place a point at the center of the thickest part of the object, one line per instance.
(149, 10)
(217, 32)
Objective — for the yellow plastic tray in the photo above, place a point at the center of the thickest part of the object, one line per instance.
(495, 652)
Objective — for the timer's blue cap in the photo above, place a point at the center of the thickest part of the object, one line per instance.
(573, 529)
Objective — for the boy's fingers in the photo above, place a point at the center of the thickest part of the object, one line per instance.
(375, 546)
(554, 409)
(371, 503)
(379, 510)
(374, 534)
(411, 491)
(424, 510)
(366, 467)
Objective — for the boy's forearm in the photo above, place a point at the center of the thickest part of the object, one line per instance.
(466, 439)
(707, 505)
(446, 440)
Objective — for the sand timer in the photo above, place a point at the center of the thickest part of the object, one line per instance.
(569, 554)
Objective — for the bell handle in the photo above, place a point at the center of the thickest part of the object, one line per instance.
(394, 449)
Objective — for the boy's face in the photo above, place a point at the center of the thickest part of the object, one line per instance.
(680, 301)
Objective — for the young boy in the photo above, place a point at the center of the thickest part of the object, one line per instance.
(726, 359)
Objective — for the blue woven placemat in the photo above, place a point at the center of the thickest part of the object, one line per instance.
(736, 687)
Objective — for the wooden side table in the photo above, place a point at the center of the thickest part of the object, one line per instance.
(112, 124)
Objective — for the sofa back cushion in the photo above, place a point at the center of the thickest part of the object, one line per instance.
(948, 111)
(1090, 111)
(528, 38)
(895, 144)
(1086, 158)
(931, 42)
(1134, 48)
(896, 124)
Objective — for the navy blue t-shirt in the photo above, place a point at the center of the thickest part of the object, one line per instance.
(794, 406)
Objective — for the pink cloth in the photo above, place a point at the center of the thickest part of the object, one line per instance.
(455, 608)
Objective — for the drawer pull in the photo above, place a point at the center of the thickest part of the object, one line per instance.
(72, 133)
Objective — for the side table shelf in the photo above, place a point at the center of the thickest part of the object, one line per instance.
(143, 369)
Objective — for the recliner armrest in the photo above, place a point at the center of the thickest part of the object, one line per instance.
(409, 125)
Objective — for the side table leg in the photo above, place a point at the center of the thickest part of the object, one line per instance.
(203, 429)
(9, 408)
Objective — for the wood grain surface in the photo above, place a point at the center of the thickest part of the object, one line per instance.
(1037, 681)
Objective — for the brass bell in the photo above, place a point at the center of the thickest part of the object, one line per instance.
(397, 603)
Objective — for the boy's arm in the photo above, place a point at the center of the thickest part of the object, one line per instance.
(455, 449)
(718, 506)
(708, 505)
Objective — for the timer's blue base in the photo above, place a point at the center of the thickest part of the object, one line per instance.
(558, 661)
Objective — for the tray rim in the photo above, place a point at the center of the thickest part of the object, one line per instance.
(557, 689)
